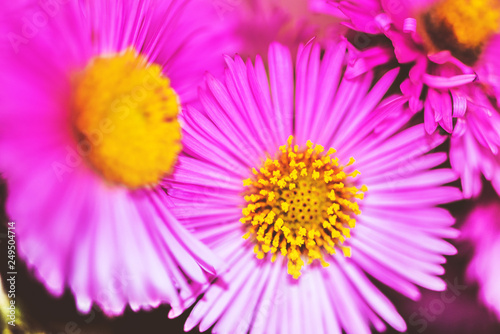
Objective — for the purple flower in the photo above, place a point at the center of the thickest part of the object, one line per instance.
(452, 46)
(483, 231)
(306, 182)
(90, 93)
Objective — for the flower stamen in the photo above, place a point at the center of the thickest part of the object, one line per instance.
(461, 26)
(301, 205)
(126, 113)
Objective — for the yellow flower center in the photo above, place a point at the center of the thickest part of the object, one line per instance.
(301, 204)
(462, 26)
(125, 115)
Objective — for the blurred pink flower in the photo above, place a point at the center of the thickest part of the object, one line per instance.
(318, 204)
(257, 23)
(89, 205)
(482, 229)
(452, 46)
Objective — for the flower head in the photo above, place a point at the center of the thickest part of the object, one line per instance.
(90, 93)
(451, 47)
(304, 182)
(255, 24)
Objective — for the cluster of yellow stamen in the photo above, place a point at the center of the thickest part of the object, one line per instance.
(125, 119)
(472, 21)
(301, 204)
(461, 26)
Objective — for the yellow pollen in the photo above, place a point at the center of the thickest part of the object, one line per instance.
(472, 21)
(312, 209)
(461, 26)
(125, 113)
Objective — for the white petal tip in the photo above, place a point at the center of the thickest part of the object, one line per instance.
(189, 325)
(175, 312)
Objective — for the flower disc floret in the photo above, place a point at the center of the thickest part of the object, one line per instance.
(125, 111)
(301, 204)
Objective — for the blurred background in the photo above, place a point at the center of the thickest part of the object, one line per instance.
(456, 311)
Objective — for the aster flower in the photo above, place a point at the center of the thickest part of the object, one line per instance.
(257, 23)
(305, 187)
(452, 47)
(483, 231)
(90, 94)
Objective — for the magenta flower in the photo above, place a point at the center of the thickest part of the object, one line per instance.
(257, 23)
(483, 231)
(452, 47)
(90, 93)
(265, 189)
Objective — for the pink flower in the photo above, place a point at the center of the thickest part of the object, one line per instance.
(452, 48)
(261, 191)
(89, 97)
(482, 229)
(257, 23)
